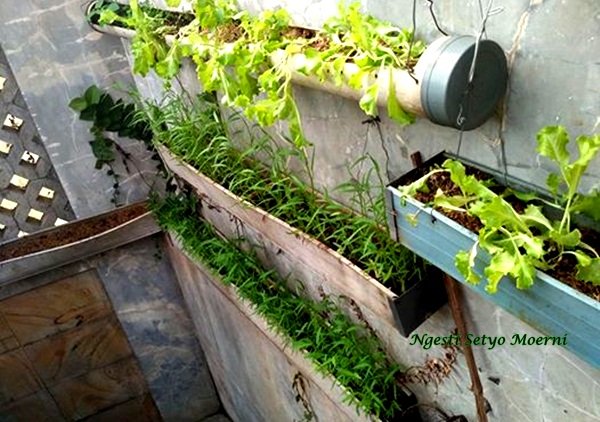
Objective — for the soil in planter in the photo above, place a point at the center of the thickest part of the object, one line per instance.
(564, 271)
(70, 233)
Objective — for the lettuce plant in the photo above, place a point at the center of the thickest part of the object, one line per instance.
(519, 241)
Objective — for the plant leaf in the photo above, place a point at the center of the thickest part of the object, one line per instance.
(588, 147)
(533, 216)
(498, 213)
(524, 272)
(92, 95)
(78, 104)
(588, 205)
(590, 272)
(569, 240)
(553, 182)
(468, 184)
(465, 260)
(552, 144)
(393, 106)
(368, 102)
(500, 265)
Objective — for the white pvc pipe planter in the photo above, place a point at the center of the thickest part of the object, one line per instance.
(441, 94)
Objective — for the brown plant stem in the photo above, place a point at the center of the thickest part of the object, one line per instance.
(455, 306)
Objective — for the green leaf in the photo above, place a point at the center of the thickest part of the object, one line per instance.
(553, 182)
(569, 240)
(173, 3)
(455, 203)
(588, 205)
(500, 265)
(92, 95)
(468, 184)
(102, 149)
(533, 216)
(583, 260)
(168, 68)
(498, 213)
(393, 106)
(89, 114)
(524, 272)
(588, 147)
(552, 144)
(591, 272)
(78, 104)
(368, 102)
(464, 261)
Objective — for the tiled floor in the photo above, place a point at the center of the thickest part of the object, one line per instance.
(31, 196)
(65, 357)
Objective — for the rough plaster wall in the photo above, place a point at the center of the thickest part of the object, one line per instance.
(554, 56)
(554, 53)
(55, 56)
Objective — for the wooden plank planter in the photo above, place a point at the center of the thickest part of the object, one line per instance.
(550, 306)
(233, 335)
(30, 264)
(321, 270)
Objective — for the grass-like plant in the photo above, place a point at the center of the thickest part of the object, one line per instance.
(336, 346)
(196, 133)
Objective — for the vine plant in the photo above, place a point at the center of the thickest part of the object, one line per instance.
(519, 241)
(249, 58)
(108, 115)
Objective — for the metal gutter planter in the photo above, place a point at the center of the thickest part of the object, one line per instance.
(550, 306)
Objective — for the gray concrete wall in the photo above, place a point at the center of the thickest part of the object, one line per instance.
(553, 49)
(55, 56)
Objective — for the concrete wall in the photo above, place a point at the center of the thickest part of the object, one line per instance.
(553, 49)
(55, 56)
(554, 52)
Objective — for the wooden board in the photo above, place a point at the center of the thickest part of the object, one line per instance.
(67, 303)
(99, 389)
(74, 352)
(297, 256)
(17, 377)
(253, 369)
(26, 266)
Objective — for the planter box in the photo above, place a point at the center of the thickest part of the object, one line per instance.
(232, 335)
(27, 265)
(550, 306)
(297, 256)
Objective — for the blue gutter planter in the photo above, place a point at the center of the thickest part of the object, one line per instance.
(550, 306)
